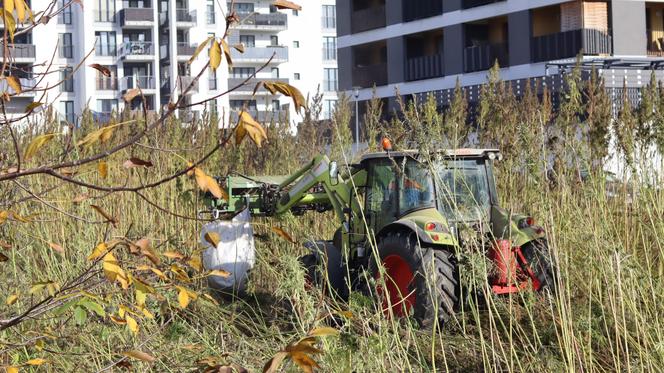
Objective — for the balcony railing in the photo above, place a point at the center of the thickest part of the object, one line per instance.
(107, 84)
(26, 84)
(413, 10)
(367, 76)
(424, 67)
(136, 48)
(185, 49)
(265, 116)
(257, 20)
(19, 51)
(482, 57)
(473, 3)
(569, 43)
(367, 19)
(249, 86)
(185, 15)
(131, 16)
(104, 15)
(655, 39)
(261, 54)
(105, 50)
(130, 82)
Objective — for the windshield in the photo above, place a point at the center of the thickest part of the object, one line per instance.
(462, 189)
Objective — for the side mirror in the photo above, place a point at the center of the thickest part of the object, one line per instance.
(334, 173)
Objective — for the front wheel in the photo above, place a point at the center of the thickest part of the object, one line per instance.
(421, 282)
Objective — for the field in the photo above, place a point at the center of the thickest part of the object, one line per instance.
(607, 240)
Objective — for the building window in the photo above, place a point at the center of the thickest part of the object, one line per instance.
(243, 72)
(274, 40)
(330, 80)
(275, 105)
(296, 12)
(275, 73)
(209, 11)
(249, 41)
(66, 47)
(104, 10)
(105, 43)
(273, 9)
(243, 7)
(329, 16)
(68, 110)
(108, 83)
(67, 78)
(329, 48)
(64, 18)
(107, 105)
(212, 81)
(328, 108)
(296, 44)
(296, 76)
(239, 104)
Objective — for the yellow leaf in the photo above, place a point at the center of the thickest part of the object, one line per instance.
(283, 234)
(101, 135)
(212, 238)
(36, 362)
(287, 90)
(14, 83)
(215, 55)
(139, 355)
(227, 52)
(304, 361)
(9, 5)
(159, 273)
(183, 297)
(132, 324)
(323, 331)
(106, 216)
(32, 106)
(56, 247)
(195, 263)
(3, 216)
(114, 272)
(118, 320)
(284, 4)
(98, 251)
(20, 218)
(239, 47)
(12, 369)
(37, 143)
(173, 255)
(219, 272)
(200, 48)
(10, 23)
(249, 126)
(21, 7)
(12, 299)
(102, 167)
(209, 184)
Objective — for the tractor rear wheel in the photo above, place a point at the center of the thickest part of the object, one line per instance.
(538, 258)
(421, 282)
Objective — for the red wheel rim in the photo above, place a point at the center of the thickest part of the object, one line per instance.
(399, 276)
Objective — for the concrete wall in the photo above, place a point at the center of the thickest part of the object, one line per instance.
(453, 41)
(344, 9)
(519, 37)
(396, 52)
(629, 27)
(345, 62)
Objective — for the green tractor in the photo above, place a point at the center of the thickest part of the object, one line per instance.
(403, 219)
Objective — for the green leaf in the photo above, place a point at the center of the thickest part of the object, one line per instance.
(93, 307)
(80, 315)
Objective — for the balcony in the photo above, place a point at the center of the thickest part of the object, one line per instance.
(183, 83)
(475, 3)
(20, 51)
(248, 88)
(569, 43)
(259, 21)
(263, 116)
(482, 57)
(27, 84)
(136, 51)
(184, 49)
(370, 75)
(104, 15)
(413, 10)
(106, 84)
(424, 67)
(368, 19)
(185, 17)
(137, 17)
(262, 55)
(142, 82)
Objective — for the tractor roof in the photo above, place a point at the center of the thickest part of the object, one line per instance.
(448, 153)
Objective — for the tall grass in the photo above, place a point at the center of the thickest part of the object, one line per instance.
(607, 242)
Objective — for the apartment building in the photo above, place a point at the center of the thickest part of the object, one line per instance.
(424, 46)
(300, 47)
(144, 43)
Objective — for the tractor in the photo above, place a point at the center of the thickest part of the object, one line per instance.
(403, 219)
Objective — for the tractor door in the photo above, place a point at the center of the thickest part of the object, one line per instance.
(381, 194)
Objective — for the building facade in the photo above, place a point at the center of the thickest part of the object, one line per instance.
(422, 47)
(300, 47)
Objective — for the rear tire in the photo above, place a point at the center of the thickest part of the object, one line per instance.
(421, 282)
(324, 269)
(538, 256)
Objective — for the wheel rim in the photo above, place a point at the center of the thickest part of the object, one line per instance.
(399, 276)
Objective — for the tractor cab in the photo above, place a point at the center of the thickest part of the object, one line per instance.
(455, 186)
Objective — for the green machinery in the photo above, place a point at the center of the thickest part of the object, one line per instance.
(412, 216)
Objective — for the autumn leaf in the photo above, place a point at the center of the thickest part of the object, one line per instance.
(212, 238)
(4, 215)
(200, 48)
(12, 299)
(102, 168)
(219, 272)
(136, 162)
(21, 8)
(215, 55)
(132, 324)
(283, 234)
(143, 247)
(173, 255)
(105, 71)
(113, 271)
(273, 364)
(3, 258)
(183, 297)
(287, 90)
(209, 184)
(8, 5)
(131, 94)
(98, 251)
(35, 362)
(80, 198)
(195, 263)
(284, 4)
(32, 106)
(12, 369)
(248, 126)
(227, 52)
(101, 135)
(10, 23)
(239, 47)
(14, 83)
(5, 245)
(56, 247)
(139, 355)
(106, 216)
(37, 143)
(323, 331)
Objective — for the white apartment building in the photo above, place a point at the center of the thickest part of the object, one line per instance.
(303, 50)
(144, 43)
